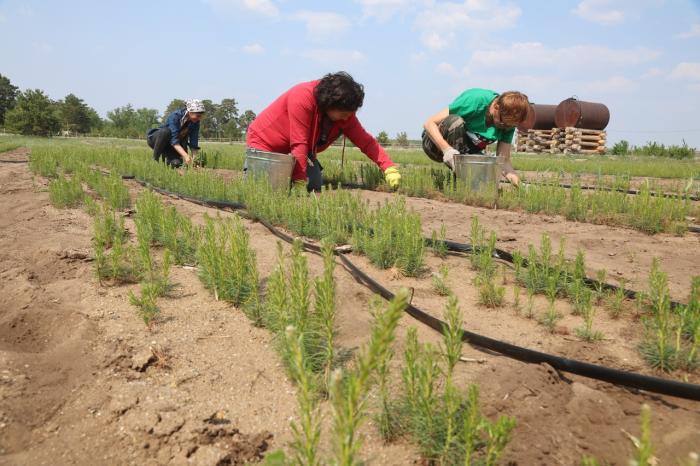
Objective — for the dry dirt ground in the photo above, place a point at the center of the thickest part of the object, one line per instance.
(83, 381)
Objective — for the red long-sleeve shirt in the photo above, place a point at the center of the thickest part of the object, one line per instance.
(290, 125)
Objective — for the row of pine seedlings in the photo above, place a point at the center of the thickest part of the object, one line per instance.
(426, 405)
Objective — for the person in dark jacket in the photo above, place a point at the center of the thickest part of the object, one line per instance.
(180, 131)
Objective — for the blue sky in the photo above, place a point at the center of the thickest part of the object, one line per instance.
(641, 58)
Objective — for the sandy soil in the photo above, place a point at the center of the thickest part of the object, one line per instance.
(79, 382)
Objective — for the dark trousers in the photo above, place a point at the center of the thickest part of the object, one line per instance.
(159, 140)
(453, 130)
(313, 173)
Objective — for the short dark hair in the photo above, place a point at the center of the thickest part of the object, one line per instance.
(338, 91)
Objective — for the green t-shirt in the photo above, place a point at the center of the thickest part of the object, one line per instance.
(472, 106)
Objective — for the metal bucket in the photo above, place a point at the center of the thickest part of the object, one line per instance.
(277, 168)
(479, 172)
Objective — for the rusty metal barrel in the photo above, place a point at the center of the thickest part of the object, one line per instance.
(540, 116)
(581, 114)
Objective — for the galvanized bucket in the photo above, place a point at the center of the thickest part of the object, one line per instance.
(277, 168)
(478, 172)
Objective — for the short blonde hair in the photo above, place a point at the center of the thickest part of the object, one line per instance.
(513, 107)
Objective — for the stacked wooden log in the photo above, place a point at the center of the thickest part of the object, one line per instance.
(535, 140)
(584, 141)
(568, 140)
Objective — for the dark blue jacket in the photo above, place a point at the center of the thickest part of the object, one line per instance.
(173, 124)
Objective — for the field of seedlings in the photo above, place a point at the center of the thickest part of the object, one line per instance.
(196, 316)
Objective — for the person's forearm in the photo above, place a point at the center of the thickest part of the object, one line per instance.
(433, 130)
(503, 150)
(183, 153)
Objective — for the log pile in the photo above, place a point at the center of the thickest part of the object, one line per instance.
(562, 141)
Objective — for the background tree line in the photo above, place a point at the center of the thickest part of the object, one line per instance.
(32, 112)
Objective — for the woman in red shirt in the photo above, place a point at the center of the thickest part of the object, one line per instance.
(308, 118)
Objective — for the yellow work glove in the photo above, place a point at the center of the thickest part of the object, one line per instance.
(392, 177)
(299, 186)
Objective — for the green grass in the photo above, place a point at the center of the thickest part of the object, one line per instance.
(6, 146)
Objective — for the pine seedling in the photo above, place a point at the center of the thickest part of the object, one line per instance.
(325, 308)
(277, 306)
(227, 263)
(65, 193)
(439, 242)
(307, 430)
(551, 317)
(490, 294)
(424, 418)
(518, 263)
(387, 418)
(600, 283)
(409, 373)
(440, 281)
(498, 437)
(162, 279)
(616, 300)
(586, 332)
(658, 350)
(144, 236)
(645, 451)
(471, 425)
(452, 348)
(516, 298)
(349, 399)
(299, 288)
(530, 303)
(146, 302)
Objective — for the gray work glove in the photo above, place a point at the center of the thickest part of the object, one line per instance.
(448, 157)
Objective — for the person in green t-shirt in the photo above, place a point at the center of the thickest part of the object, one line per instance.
(477, 118)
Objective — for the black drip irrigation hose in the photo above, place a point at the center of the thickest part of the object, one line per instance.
(13, 161)
(614, 376)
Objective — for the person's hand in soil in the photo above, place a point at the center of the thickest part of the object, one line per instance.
(509, 173)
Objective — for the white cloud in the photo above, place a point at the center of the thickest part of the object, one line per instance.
(600, 11)
(536, 54)
(418, 57)
(254, 49)
(322, 25)
(440, 22)
(26, 11)
(43, 47)
(652, 73)
(613, 84)
(333, 56)
(693, 32)
(686, 70)
(385, 9)
(445, 68)
(262, 7)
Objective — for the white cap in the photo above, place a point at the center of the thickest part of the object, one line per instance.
(195, 106)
